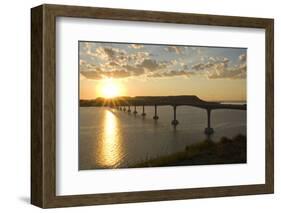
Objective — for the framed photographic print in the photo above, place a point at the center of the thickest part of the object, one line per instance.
(136, 106)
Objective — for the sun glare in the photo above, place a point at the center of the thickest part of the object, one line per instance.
(109, 88)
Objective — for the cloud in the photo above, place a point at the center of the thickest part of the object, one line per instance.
(116, 63)
(148, 68)
(185, 66)
(82, 77)
(138, 57)
(151, 65)
(199, 66)
(135, 46)
(172, 73)
(87, 48)
(109, 53)
(117, 74)
(242, 57)
(175, 49)
(109, 61)
(135, 71)
(212, 62)
(218, 68)
(238, 72)
(98, 75)
(91, 75)
(118, 57)
(82, 62)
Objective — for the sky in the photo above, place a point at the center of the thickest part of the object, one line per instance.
(127, 69)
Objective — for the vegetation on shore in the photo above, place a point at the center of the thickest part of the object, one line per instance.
(226, 151)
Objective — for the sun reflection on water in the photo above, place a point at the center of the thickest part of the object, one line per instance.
(110, 141)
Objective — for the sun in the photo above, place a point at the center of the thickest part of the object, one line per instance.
(110, 88)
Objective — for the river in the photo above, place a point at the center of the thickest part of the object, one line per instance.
(110, 138)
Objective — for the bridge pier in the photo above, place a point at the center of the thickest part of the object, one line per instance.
(175, 122)
(155, 117)
(135, 110)
(209, 130)
(124, 108)
(129, 109)
(143, 112)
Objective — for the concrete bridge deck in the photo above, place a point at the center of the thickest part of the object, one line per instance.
(172, 101)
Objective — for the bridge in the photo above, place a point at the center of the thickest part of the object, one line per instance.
(126, 103)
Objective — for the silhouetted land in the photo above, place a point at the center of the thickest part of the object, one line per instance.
(144, 100)
(190, 100)
(226, 151)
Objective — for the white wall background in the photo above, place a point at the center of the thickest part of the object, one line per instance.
(15, 105)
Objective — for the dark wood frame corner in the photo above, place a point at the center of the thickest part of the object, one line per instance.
(43, 105)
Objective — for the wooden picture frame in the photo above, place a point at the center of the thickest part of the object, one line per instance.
(43, 105)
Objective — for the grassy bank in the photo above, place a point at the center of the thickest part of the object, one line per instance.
(208, 152)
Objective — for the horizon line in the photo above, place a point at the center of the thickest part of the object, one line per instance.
(226, 100)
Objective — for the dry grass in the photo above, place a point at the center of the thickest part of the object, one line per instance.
(207, 152)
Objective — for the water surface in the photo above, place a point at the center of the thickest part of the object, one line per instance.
(110, 138)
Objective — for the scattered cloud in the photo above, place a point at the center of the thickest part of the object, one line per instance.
(135, 71)
(172, 73)
(90, 75)
(135, 46)
(109, 53)
(175, 49)
(217, 68)
(105, 60)
(242, 57)
(238, 72)
(100, 74)
(151, 65)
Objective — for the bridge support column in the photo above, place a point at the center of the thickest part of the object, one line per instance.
(175, 122)
(209, 130)
(155, 117)
(129, 109)
(135, 110)
(143, 112)
(124, 108)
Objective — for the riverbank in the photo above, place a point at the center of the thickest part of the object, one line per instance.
(225, 151)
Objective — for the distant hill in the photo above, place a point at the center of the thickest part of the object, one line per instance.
(144, 100)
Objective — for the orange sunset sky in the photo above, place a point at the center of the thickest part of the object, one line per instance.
(122, 69)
